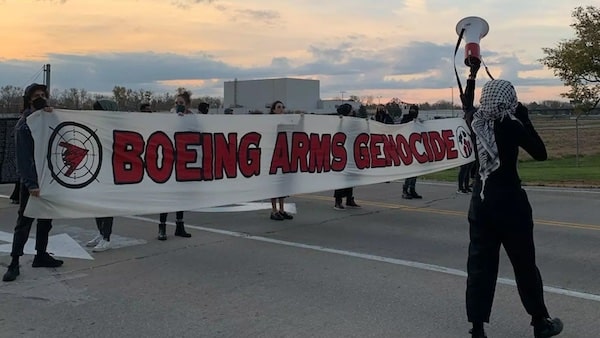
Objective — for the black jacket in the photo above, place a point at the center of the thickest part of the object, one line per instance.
(25, 153)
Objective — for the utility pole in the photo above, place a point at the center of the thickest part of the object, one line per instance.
(452, 95)
(342, 92)
(47, 76)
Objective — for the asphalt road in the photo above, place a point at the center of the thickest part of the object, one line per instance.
(394, 268)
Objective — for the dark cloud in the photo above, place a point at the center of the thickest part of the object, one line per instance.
(248, 15)
(184, 4)
(346, 67)
(265, 16)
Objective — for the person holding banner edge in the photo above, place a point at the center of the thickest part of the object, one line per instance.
(183, 102)
(277, 107)
(101, 242)
(499, 212)
(409, 187)
(35, 98)
(345, 109)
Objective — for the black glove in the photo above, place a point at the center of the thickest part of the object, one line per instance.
(522, 113)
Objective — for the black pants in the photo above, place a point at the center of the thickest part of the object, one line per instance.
(502, 219)
(409, 184)
(464, 176)
(104, 225)
(23, 228)
(339, 194)
(163, 217)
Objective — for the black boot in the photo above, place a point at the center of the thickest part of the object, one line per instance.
(414, 194)
(547, 327)
(351, 203)
(180, 230)
(162, 232)
(44, 260)
(12, 272)
(476, 333)
(406, 195)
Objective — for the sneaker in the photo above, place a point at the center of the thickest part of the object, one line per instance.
(285, 215)
(548, 327)
(352, 204)
(338, 206)
(14, 201)
(462, 191)
(11, 274)
(407, 196)
(45, 261)
(94, 241)
(103, 245)
(276, 216)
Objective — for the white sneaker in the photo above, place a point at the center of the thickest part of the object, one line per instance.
(103, 245)
(94, 241)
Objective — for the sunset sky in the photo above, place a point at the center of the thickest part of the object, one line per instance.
(381, 48)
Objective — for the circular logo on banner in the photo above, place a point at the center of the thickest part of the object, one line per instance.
(465, 144)
(74, 155)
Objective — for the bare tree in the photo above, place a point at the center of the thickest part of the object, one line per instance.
(11, 99)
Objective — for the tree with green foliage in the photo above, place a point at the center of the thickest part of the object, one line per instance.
(577, 61)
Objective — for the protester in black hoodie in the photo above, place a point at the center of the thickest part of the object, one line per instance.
(35, 98)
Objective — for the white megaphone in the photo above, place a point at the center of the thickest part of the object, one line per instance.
(475, 28)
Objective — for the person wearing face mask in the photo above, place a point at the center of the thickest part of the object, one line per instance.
(183, 102)
(182, 107)
(35, 98)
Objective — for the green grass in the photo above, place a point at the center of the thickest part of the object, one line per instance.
(552, 172)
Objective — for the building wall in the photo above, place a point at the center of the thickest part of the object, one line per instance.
(296, 94)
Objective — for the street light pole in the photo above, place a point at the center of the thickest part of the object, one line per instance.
(452, 93)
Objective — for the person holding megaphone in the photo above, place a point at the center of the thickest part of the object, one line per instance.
(500, 213)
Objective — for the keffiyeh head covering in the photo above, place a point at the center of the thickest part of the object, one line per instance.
(498, 100)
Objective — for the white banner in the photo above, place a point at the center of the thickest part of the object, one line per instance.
(97, 163)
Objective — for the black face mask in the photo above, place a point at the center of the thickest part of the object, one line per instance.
(39, 103)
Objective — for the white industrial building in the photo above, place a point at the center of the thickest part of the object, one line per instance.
(245, 96)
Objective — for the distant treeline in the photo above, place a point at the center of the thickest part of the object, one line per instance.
(11, 101)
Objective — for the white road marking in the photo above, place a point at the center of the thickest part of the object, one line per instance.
(416, 265)
(61, 245)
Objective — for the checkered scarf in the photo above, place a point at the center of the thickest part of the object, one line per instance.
(498, 100)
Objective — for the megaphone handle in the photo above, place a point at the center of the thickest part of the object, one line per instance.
(469, 96)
